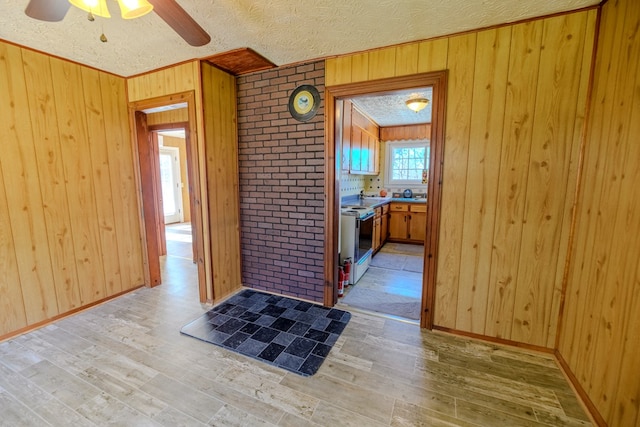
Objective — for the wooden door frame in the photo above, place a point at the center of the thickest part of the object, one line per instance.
(149, 217)
(190, 178)
(436, 80)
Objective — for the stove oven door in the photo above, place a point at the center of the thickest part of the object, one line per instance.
(364, 237)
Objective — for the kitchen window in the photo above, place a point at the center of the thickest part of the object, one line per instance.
(405, 162)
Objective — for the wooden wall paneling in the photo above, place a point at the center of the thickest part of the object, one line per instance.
(605, 170)
(52, 181)
(461, 66)
(187, 76)
(576, 164)
(407, 59)
(577, 326)
(626, 387)
(382, 63)
(514, 168)
(553, 147)
(598, 337)
(12, 309)
(79, 178)
(177, 79)
(487, 122)
(433, 55)
(219, 95)
(158, 81)
(98, 149)
(340, 70)
(178, 115)
(22, 191)
(169, 82)
(622, 256)
(359, 68)
(123, 184)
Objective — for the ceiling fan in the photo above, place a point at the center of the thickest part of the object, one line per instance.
(169, 10)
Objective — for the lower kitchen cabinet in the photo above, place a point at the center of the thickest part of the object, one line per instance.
(380, 227)
(384, 224)
(408, 222)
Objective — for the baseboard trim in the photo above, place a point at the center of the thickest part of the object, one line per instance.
(586, 401)
(50, 320)
(502, 341)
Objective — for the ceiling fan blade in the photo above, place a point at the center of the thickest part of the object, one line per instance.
(182, 23)
(47, 10)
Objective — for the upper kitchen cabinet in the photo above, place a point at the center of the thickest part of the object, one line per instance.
(360, 142)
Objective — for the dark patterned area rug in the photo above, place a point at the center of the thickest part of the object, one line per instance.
(291, 334)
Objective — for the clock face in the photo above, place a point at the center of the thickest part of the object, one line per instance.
(304, 103)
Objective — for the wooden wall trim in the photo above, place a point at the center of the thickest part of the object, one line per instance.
(584, 397)
(69, 313)
(488, 338)
(149, 198)
(437, 79)
(198, 220)
(332, 152)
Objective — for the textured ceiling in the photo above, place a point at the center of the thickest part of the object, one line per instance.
(283, 31)
(391, 109)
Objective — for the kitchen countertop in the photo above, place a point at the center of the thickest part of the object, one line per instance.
(374, 202)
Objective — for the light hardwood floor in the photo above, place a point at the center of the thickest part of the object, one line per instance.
(125, 363)
(392, 285)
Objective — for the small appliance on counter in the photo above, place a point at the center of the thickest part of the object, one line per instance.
(408, 194)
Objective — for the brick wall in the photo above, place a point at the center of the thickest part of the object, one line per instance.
(281, 183)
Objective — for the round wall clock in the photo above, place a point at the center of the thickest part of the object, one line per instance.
(304, 102)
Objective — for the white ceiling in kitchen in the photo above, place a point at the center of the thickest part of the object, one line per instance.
(391, 109)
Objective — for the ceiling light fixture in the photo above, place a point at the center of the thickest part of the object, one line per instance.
(129, 9)
(417, 104)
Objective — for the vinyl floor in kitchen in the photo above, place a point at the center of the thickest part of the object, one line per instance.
(125, 363)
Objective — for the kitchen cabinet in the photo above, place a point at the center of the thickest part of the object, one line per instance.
(377, 228)
(384, 224)
(360, 142)
(380, 226)
(345, 133)
(417, 222)
(408, 222)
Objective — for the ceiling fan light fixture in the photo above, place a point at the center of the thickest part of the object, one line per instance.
(417, 104)
(130, 9)
(94, 7)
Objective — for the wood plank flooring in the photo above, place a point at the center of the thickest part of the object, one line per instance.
(125, 363)
(392, 285)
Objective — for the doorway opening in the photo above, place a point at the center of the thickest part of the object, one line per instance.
(152, 117)
(174, 179)
(335, 98)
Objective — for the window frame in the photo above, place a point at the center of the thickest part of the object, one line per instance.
(389, 146)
